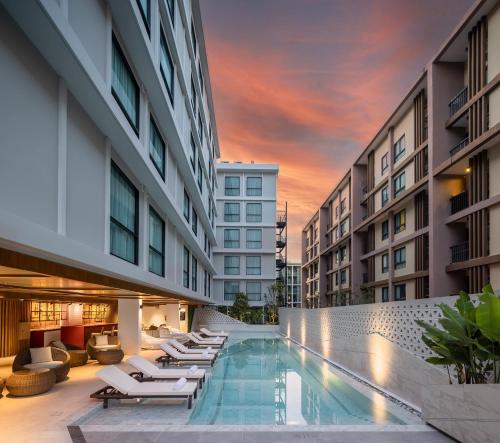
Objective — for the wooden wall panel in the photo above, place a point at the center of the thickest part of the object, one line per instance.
(13, 314)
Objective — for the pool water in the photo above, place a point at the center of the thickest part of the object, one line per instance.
(275, 382)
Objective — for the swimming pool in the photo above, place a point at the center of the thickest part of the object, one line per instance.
(271, 381)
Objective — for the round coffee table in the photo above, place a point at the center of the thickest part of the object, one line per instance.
(30, 382)
(109, 357)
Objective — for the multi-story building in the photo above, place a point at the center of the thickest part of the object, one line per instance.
(424, 198)
(108, 142)
(293, 285)
(245, 258)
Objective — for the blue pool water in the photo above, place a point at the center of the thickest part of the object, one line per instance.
(273, 381)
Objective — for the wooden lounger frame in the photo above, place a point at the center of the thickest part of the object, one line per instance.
(140, 377)
(168, 359)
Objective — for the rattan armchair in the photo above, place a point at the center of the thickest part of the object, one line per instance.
(78, 357)
(23, 358)
(91, 346)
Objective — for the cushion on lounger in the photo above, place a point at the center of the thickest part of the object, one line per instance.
(101, 340)
(143, 365)
(41, 355)
(118, 379)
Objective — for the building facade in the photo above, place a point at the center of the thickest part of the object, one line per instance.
(108, 148)
(294, 285)
(422, 199)
(245, 258)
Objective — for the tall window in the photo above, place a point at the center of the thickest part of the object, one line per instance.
(200, 126)
(166, 66)
(400, 221)
(124, 223)
(231, 185)
(194, 222)
(254, 290)
(231, 238)
(202, 86)
(231, 212)
(187, 206)
(156, 243)
(384, 162)
(254, 238)
(193, 154)
(157, 149)
(193, 96)
(231, 265)
(399, 184)
(231, 288)
(124, 87)
(399, 148)
(400, 258)
(400, 292)
(254, 212)
(171, 9)
(343, 276)
(205, 283)
(193, 38)
(254, 186)
(385, 263)
(385, 195)
(385, 229)
(253, 265)
(194, 272)
(185, 268)
(200, 177)
(385, 294)
(145, 9)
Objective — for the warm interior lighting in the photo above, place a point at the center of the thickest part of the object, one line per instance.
(467, 170)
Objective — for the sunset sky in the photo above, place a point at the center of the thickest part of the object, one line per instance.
(306, 84)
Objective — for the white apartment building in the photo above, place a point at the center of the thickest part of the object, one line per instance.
(293, 285)
(108, 142)
(245, 258)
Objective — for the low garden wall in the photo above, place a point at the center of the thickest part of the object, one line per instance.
(217, 321)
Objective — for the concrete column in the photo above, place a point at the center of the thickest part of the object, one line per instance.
(172, 314)
(129, 324)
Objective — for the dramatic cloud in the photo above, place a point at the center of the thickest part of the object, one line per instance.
(306, 84)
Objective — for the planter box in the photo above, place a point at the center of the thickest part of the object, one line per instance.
(469, 413)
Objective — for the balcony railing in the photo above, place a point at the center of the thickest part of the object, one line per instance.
(281, 219)
(459, 202)
(458, 101)
(460, 252)
(459, 146)
(280, 241)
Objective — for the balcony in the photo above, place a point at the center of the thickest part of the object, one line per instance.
(280, 262)
(280, 241)
(459, 202)
(281, 220)
(459, 146)
(458, 101)
(460, 252)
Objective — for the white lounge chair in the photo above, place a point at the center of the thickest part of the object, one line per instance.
(173, 355)
(200, 341)
(153, 372)
(209, 333)
(185, 350)
(121, 386)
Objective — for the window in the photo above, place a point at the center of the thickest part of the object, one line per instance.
(194, 272)
(400, 221)
(385, 230)
(193, 95)
(254, 290)
(171, 9)
(187, 206)
(206, 243)
(399, 148)
(202, 84)
(205, 283)
(124, 87)
(385, 263)
(157, 149)
(343, 253)
(254, 212)
(343, 276)
(156, 243)
(193, 38)
(385, 294)
(254, 238)
(185, 268)
(400, 258)
(231, 212)
(400, 292)
(200, 177)
(342, 206)
(253, 265)
(231, 288)
(124, 216)
(342, 229)
(385, 195)
(384, 162)
(231, 185)
(200, 126)
(231, 238)
(166, 67)
(254, 186)
(336, 212)
(145, 9)
(193, 153)
(231, 265)
(399, 184)
(336, 279)
(194, 222)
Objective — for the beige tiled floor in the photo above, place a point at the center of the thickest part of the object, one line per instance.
(43, 418)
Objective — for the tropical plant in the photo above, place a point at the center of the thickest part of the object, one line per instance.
(469, 340)
(240, 306)
(274, 299)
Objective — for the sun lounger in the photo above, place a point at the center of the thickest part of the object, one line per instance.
(185, 350)
(209, 333)
(172, 355)
(148, 370)
(122, 386)
(195, 339)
